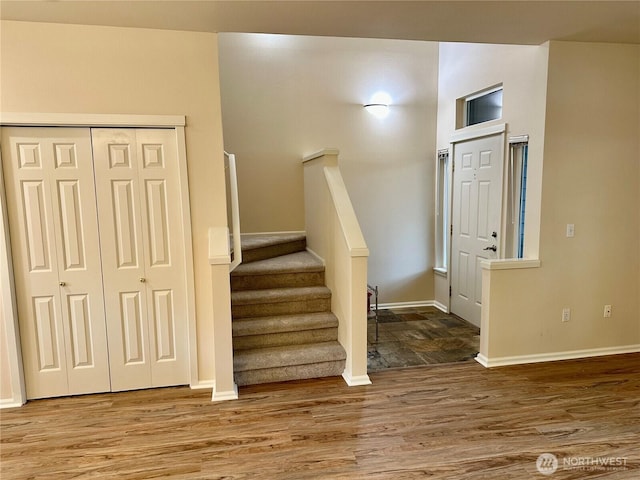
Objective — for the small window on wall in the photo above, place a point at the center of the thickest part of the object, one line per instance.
(481, 107)
(442, 211)
(517, 195)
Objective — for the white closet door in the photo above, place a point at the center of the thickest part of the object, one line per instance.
(55, 242)
(139, 207)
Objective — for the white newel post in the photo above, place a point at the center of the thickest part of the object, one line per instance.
(224, 387)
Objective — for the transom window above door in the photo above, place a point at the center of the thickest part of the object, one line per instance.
(479, 107)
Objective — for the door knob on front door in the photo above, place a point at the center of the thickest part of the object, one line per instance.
(62, 284)
(142, 279)
(493, 248)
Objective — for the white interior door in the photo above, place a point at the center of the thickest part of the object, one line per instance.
(55, 245)
(476, 219)
(143, 256)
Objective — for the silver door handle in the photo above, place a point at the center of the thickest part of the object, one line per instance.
(62, 284)
(493, 248)
(142, 279)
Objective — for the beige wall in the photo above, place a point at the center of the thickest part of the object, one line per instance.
(284, 97)
(465, 69)
(84, 69)
(591, 179)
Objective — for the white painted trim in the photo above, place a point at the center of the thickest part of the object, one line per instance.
(397, 305)
(227, 395)
(318, 257)
(357, 381)
(321, 153)
(292, 232)
(441, 306)
(441, 271)
(519, 139)
(219, 246)
(9, 311)
(470, 133)
(509, 263)
(344, 211)
(10, 403)
(181, 149)
(90, 120)
(202, 385)
(555, 356)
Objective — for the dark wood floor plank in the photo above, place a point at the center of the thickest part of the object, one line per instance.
(438, 422)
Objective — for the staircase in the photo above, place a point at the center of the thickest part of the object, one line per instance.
(283, 328)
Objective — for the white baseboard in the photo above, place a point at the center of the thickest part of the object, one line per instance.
(555, 356)
(424, 303)
(292, 232)
(441, 306)
(226, 395)
(356, 381)
(10, 403)
(201, 385)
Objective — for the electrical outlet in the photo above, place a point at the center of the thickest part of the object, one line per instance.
(566, 314)
(607, 311)
(571, 230)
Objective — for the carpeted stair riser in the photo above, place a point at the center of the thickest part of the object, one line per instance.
(280, 301)
(287, 338)
(283, 323)
(271, 251)
(284, 356)
(285, 374)
(278, 280)
(281, 308)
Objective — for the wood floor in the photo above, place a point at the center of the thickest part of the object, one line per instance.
(454, 421)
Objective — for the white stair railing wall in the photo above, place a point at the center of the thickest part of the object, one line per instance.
(232, 188)
(334, 235)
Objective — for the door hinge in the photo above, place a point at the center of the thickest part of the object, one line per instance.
(449, 290)
(451, 229)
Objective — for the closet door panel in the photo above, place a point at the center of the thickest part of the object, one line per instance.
(53, 222)
(79, 262)
(165, 256)
(118, 199)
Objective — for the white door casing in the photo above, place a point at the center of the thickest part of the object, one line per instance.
(55, 245)
(476, 219)
(137, 176)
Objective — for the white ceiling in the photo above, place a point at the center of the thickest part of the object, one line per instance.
(506, 21)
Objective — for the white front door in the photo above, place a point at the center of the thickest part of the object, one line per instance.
(476, 219)
(55, 247)
(137, 184)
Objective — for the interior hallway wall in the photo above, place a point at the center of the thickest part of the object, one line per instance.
(54, 68)
(465, 69)
(591, 179)
(284, 97)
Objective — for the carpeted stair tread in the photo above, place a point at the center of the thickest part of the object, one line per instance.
(279, 295)
(250, 242)
(260, 247)
(283, 324)
(290, 263)
(284, 356)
